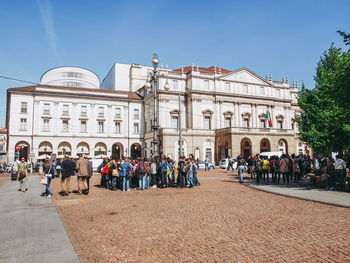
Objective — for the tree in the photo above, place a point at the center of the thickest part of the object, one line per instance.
(324, 123)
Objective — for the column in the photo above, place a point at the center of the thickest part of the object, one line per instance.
(236, 114)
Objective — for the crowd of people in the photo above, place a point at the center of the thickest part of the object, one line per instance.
(148, 173)
(323, 170)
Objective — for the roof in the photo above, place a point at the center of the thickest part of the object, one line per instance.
(210, 69)
(131, 95)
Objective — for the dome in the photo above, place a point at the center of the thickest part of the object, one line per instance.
(74, 77)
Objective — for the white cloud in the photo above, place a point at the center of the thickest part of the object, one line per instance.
(46, 14)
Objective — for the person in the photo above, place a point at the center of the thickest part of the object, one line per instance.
(251, 166)
(230, 164)
(100, 169)
(58, 168)
(113, 174)
(241, 167)
(296, 168)
(181, 172)
(190, 172)
(163, 169)
(82, 167)
(68, 170)
(50, 175)
(141, 174)
(148, 173)
(195, 178)
(90, 172)
(22, 174)
(258, 168)
(284, 168)
(170, 171)
(153, 173)
(206, 163)
(126, 174)
(265, 167)
(340, 170)
(53, 163)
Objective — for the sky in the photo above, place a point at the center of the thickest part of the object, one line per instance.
(281, 38)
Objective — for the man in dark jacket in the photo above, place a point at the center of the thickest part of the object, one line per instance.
(68, 169)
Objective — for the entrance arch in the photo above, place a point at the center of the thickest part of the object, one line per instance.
(23, 151)
(117, 151)
(265, 145)
(64, 148)
(83, 148)
(135, 150)
(100, 150)
(246, 147)
(45, 148)
(283, 146)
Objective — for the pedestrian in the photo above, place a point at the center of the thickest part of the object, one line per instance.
(284, 168)
(163, 170)
(241, 163)
(141, 173)
(190, 172)
(50, 175)
(90, 172)
(67, 171)
(22, 174)
(181, 172)
(58, 168)
(154, 173)
(195, 178)
(126, 174)
(340, 170)
(169, 170)
(265, 167)
(206, 163)
(229, 164)
(148, 173)
(258, 168)
(113, 174)
(100, 169)
(83, 172)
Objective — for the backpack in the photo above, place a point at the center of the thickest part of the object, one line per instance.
(105, 169)
(141, 169)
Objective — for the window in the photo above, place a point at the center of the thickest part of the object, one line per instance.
(207, 124)
(206, 84)
(65, 111)
(174, 121)
(136, 128)
(246, 123)
(23, 125)
(83, 126)
(83, 111)
(117, 113)
(24, 107)
(245, 89)
(279, 125)
(278, 93)
(227, 122)
(65, 125)
(136, 114)
(262, 91)
(117, 127)
(228, 87)
(46, 109)
(100, 127)
(262, 123)
(46, 124)
(101, 112)
(175, 84)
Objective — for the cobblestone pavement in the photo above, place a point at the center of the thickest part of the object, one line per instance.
(220, 221)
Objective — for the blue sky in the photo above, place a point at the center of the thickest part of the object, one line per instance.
(282, 38)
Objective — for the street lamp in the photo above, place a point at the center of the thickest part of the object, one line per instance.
(152, 83)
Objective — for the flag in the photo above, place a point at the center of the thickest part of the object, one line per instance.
(268, 117)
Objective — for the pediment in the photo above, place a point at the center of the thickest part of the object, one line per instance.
(244, 75)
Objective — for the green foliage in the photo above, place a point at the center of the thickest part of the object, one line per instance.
(325, 120)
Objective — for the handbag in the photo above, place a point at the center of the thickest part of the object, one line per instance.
(114, 172)
(21, 175)
(43, 180)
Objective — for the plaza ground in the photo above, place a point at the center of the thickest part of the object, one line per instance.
(220, 221)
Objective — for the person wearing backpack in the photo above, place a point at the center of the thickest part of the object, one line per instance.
(163, 169)
(141, 174)
(126, 174)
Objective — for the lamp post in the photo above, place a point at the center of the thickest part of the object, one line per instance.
(152, 84)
